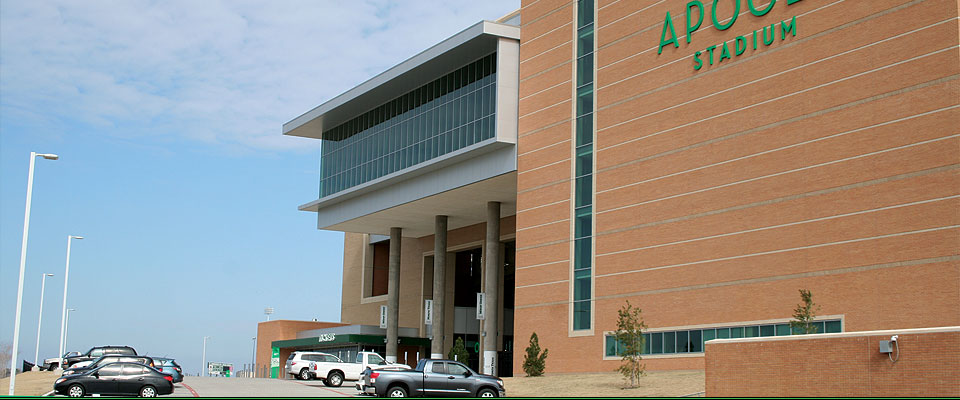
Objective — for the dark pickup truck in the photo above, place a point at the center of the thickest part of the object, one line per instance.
(431, 378)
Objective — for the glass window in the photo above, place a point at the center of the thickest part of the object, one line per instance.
(584, 13)
(110, 370)
(736, 333)
(683, 342)
(581, 315)
(584, 160)
(96, 352)
(656, 345)
(438, 368)
(583, 225)
(585, 129)
(584, 41)
(646, 343)
(783, 329)
(767, 330)
(751, 331)
(455, 369)
(581, 285)
(669, 342)
(582, 256)
(610, 346)
(696, 341)
(129, 369)
(585, 70)
(723, 333)
(584, 191)
(708, 335)
(832, 327)
(585, 100)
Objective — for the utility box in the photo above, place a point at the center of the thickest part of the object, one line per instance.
(886, 347)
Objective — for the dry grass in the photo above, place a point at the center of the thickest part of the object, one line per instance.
(31, 383)
(606, 384)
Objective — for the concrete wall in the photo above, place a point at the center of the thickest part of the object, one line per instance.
(826, 161)
(281, 329)
(841, 365)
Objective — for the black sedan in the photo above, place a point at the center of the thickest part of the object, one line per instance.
(122, 379)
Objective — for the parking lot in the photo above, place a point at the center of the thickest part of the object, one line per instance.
(258, 387)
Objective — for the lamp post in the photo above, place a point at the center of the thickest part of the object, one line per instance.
(67, 325)
(253, 359)
(23, 264)
(66, 278)
(43, 285)
(203, 370)
(267, 311)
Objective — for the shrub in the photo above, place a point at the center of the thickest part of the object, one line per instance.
(534, 362)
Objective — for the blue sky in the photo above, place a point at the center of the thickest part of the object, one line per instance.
(167, 116)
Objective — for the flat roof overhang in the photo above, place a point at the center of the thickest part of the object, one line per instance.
(375, 340)
(478, 40)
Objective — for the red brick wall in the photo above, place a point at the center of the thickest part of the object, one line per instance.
(844, 364)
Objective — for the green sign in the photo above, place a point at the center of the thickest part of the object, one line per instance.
(718, 53)
(275, 363)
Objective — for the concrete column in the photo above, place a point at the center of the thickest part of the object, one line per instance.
(393, 295)
(491, 266)
(439, 285)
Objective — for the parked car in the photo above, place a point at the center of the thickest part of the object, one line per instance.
(170, 367)
(77, 368)
(99, 351)
(51, 364)
(122, 379)
(333, 370)
(433, 378)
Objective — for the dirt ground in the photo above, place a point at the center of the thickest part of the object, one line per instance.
(606, 384)
(32, 383)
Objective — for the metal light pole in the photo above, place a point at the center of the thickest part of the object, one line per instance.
(203, 371)
(253, 359)
(43, 285)
(67, 325)
(63, 318)
(267, 311)
(23, 264)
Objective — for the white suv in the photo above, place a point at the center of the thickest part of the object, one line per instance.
(299, 364)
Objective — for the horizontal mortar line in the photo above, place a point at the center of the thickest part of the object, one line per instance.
(543, 205)
(784, 122)
(547, 51)
(544, 90)
(545, 108)
(544, 224)
(766, 53)
(545, 185)
(545, 244)
(815, 193)
(543, 166)
(770, 151)
(771, 76)
(632, 34)
(544, 147)
(527, 42)
(628, 15)
(745, 84)
(543, 264)
(839, 271)
(723, 114)
(546, 14)
(783, 173)
(529, 5)
(810, 274)
(545, 70)
(795, 223)
(610, 4)
(702, 28)
(787, 250)
(541, 284)
(545, 127)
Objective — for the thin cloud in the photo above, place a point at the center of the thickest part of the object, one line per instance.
(215, 72)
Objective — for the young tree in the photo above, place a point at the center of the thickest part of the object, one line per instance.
(458, 352)
(630, 342)
(534, 362)
(804, 314)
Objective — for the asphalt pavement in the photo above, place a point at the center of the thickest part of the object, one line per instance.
(193, 386)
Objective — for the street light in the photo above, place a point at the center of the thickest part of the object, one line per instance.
(63, 318)
(67, 324)
(267, 311)
(43, 285)
(203, 371)
(23, 264)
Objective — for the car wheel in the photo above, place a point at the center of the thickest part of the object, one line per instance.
(148, 391)
(53, 367)
(487, 393)
(304, 374)
(335, 379)
(75, 390)
(397, 391)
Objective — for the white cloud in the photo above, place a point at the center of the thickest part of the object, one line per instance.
(218, 72)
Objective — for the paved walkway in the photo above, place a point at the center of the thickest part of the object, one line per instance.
(258, 387)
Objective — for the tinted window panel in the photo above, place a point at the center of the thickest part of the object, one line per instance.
(438, 368)
(110, 370)
(455, 369)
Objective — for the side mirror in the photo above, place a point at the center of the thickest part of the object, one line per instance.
(467, 374)
(96, 374)
(383, 363)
